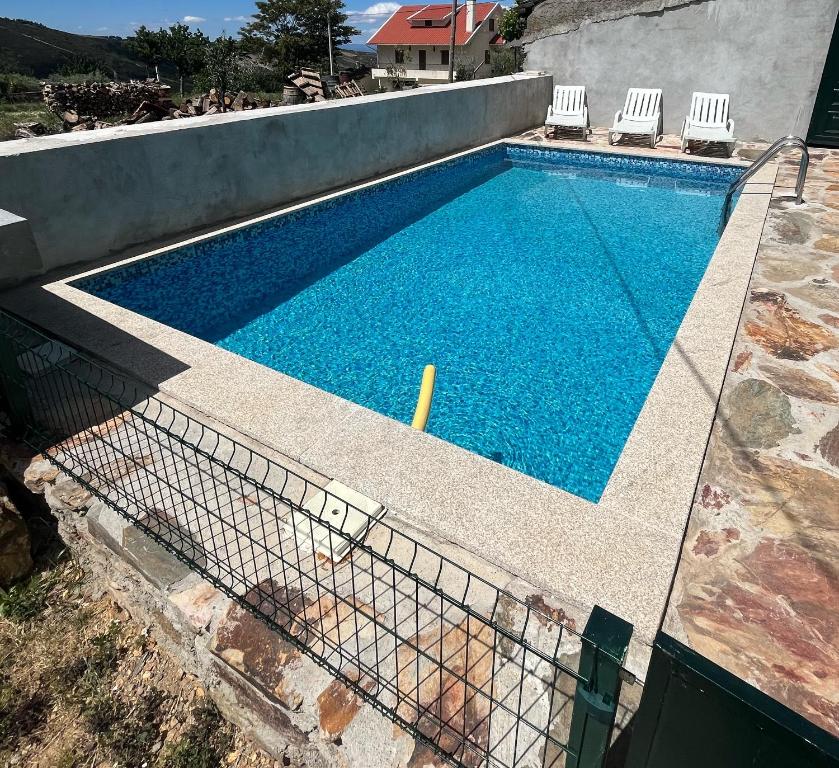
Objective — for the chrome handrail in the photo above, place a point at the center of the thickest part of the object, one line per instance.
(780, 144)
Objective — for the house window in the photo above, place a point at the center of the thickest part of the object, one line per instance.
(492, 25)
(399, 56)
(444, 57)
(428, 22)
(486, 57)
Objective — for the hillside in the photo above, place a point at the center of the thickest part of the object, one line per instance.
(31, 48)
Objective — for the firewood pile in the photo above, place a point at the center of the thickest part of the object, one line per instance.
(206, 104)
(211, 104)
(30, 130)
(87, 106)
(100, 101)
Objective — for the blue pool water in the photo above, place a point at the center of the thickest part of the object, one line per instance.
(546, 286)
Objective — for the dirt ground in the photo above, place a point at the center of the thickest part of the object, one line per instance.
(83, 684)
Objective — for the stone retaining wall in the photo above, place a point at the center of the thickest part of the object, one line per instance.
(293, 708)
(280, 698)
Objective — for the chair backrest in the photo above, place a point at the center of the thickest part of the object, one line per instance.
(709, 109)
(642, 103)
(569, 99)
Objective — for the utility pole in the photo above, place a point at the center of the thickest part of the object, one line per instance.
(329, 37)
(451, 41)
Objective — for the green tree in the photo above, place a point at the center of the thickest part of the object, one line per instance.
(222, 65)
(186, 50)
(293, 33)
(512, 24)
(150, 47)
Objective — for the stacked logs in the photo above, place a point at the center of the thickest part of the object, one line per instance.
(205, 104)
(88, 103)
(30, 130)
(84, 107)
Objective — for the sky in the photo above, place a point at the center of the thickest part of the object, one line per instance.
(122, 17)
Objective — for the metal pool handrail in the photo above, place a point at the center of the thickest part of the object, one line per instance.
(778, 146)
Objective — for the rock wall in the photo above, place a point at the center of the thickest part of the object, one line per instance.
(280, 698)
(293, 708)
(768, 54)
(15, 546)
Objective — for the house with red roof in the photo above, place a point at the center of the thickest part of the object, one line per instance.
(414, 41)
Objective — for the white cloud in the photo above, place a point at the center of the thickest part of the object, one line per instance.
(193, 19)
(380, 9)
(236, 18)
(372, 18)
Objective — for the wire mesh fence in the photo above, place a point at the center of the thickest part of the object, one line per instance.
(478, 675)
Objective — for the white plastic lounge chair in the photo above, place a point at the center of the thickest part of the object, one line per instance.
(569, 109)
(708, 121)
(640, 116)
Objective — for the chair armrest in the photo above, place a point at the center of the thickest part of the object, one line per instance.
(730, 126)
(685, 126)
(618, 116)
(585, 115)
(550, 109)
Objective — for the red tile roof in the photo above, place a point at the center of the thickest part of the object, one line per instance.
(432, 12)
(397, 30)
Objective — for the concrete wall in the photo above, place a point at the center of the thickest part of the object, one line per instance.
(768, 54)
(87, 195)
(19, 257)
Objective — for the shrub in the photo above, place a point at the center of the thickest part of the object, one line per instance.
(14, 82)
(503, 62)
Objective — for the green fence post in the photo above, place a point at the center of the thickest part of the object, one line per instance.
(13, 388)
(605, 642)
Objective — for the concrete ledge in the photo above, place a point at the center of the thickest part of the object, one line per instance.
(146, 182)
(19, 255)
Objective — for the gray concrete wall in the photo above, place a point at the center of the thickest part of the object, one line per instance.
(768, 54)
(19, 257)
(87, 195)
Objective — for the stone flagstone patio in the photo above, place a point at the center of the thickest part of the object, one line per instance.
(757, 589)
(757, 585)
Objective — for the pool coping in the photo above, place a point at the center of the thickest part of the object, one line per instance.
(620, 552)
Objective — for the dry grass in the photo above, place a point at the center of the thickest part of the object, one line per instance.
(25, 112)
(82, 684)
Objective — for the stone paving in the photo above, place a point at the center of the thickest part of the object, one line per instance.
(757, 586)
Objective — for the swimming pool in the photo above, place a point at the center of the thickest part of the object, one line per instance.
(545, 285)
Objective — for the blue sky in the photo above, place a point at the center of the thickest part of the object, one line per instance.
(121, 17)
